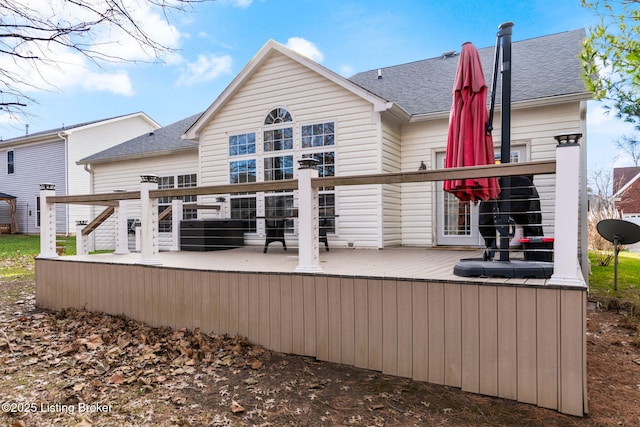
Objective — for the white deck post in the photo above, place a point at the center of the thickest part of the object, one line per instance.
(176, 216)
(308, 217)
(122, 232)
(149, 221)
(82, 247)
(566, 270)
(47, 222)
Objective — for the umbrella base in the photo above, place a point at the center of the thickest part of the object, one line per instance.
(519, 269)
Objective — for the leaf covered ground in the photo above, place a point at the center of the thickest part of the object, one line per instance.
(78, 368)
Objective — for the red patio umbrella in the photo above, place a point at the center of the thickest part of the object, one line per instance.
(468, 142)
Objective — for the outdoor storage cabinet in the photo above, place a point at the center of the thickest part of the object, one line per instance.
(211, 234)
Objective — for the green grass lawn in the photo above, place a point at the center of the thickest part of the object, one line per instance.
(17, 253)
(601, 281)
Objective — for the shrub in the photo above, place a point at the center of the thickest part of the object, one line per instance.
(601, 247)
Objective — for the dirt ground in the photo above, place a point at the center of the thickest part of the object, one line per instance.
(77, 368)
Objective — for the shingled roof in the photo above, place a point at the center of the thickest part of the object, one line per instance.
(542, 67)
(164, 140)
(56, 131)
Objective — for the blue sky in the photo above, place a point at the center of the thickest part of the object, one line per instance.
(217, 39)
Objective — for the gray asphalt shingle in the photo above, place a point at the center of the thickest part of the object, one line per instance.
(165, 139)
(542, 67)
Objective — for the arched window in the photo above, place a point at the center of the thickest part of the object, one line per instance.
(277, 115)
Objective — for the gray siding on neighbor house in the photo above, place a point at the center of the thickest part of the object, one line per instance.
(33, 165)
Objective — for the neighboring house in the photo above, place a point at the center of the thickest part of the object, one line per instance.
(162, 152)
(283, 106)
(50, 157)
(626, 192)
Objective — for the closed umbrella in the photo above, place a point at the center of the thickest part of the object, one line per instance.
(468, 142)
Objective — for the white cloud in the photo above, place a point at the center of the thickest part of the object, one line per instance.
(242, 3)
(117, 43)
(306, 48)
(61, 68)
(205, 68)
(346, 70)
(117, 82)
(68, 72)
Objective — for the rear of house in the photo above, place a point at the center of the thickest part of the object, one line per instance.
(283, 106)
(399, 123)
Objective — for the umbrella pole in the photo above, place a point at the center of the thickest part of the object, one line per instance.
(504, 33)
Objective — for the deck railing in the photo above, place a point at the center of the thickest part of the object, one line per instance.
(566, 167)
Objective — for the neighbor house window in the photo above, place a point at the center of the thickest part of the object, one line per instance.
(37, 211)
(10, 162)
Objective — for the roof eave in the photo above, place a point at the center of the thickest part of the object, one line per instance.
(140, 114)
(397, 112)
(136, 156)
(529, 103)
(625, 187)
(193, 133)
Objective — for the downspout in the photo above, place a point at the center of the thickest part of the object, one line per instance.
(584, 214)
(63, 136)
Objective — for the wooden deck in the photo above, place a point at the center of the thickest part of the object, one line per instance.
(400, 311)
(400, 262)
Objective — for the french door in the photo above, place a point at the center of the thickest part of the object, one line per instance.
(457, 221)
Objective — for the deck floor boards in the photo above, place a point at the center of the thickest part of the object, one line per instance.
(400, 262)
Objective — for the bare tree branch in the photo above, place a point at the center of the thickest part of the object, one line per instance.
(32, 35)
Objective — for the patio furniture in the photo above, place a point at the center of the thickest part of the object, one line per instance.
(275, 230)
(211, 235)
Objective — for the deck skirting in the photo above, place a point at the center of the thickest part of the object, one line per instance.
(525, 343)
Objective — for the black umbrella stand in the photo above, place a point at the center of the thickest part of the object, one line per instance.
(504, 267)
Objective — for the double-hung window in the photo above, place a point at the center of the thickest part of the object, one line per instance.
(242, 169)
(318, 142)
(278, 164)
(179, 181)
(10, 162)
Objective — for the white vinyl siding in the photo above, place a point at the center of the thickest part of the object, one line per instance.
(35, 164)
(310, 98)
(125, 175)
(422, 140)
(83, 142)
(391, 193)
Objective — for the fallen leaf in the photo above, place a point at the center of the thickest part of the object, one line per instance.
(94, 342)
(116, 378)
(84, 423)
(257, 364)
(236, 407)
